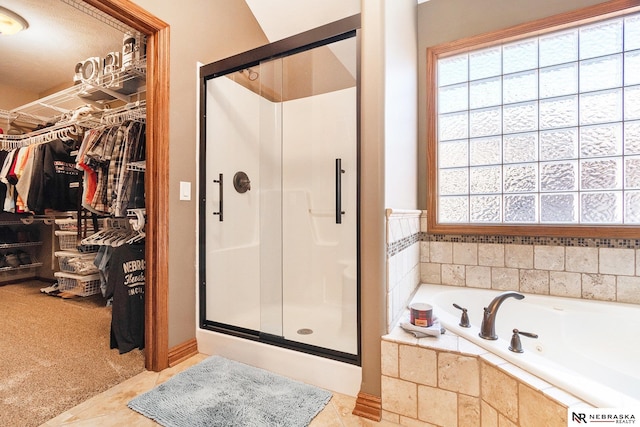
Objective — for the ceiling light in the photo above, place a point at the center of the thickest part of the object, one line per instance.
(10, 22)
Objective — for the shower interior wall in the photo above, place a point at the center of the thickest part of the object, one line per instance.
(246, 285)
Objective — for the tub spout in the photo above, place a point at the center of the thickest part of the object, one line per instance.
(488, 328)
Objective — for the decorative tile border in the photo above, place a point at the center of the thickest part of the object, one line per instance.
(402, 244)
(533, 240)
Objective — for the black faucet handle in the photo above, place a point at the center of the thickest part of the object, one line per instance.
(464, 319)
(526, 334)
(516, 345)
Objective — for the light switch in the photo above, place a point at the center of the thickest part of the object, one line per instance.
(185, 190)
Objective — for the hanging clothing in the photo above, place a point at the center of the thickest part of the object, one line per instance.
(61, 178)
(104, 157)
(126, 284)
(40, 177)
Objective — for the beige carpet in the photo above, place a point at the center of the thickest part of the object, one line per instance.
(54, 353)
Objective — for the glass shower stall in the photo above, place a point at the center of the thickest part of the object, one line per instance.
(279, 196)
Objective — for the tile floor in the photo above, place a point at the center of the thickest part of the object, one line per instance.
(110, 408)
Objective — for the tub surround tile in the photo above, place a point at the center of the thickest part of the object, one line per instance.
(459, 373)
(525, 377)
(468, 411)
(518, 256)
(566, 399)
(430, 273)
(505, 279)
(488, 415)
(581, 260)
(537, 410)
(628, 289)
(392, 276)
(499, 390)
(453, 274)
(400, 336)
(548, 257)
(592, 242)
(534, 281)
(617, 261)
(400, 396)
(477, 276)
(465, 253)
(424, 251)
(443, 342)
(472, 390)
(491, 255)
(437, 406)
(395, 231)
(414, 223)
(418, 365)
(599, 287)
(505, 422)
(493, 359)
(561, 271)
(403, 258)
(469, 348)
(389, 358)
(441, 252)
(564, 284)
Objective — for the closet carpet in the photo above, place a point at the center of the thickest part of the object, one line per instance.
(54, 353)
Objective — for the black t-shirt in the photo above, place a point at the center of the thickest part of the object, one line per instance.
(61, 178)
(126, 284)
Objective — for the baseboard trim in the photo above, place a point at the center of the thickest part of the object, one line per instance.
(368, 406)
(182, 351)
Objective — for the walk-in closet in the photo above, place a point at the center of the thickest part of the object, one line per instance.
(72, 206)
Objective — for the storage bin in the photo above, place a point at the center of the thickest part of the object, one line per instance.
(71, 224)
(76, 262)
(79, 285)
(69, 242)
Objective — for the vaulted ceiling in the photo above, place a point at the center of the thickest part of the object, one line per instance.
(60, 36)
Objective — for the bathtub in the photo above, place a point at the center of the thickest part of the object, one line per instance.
(587, 348)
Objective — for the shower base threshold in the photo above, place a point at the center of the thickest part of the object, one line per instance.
(326, 373)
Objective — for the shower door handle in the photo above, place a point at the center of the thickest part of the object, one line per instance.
(219, 182)
(339, 172)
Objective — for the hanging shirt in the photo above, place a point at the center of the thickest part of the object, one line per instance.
(126, 283)
(62, 179)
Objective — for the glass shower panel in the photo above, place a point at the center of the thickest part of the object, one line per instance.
(319, 181)
(232, 229)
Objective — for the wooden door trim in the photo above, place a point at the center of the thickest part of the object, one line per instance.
(156, 175)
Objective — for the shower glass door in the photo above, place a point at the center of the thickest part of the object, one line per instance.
(281, 200)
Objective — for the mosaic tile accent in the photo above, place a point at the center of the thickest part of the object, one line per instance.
(534, 240)
(402, 244)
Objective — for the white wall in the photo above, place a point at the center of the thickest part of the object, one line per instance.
(401, 104)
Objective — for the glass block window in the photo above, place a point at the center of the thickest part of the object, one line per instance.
(541, 130)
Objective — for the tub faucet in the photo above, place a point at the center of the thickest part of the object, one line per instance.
(488, 328)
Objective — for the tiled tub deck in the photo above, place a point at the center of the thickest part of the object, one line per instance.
(451, 382)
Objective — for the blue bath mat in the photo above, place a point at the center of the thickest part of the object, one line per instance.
(221, 392)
